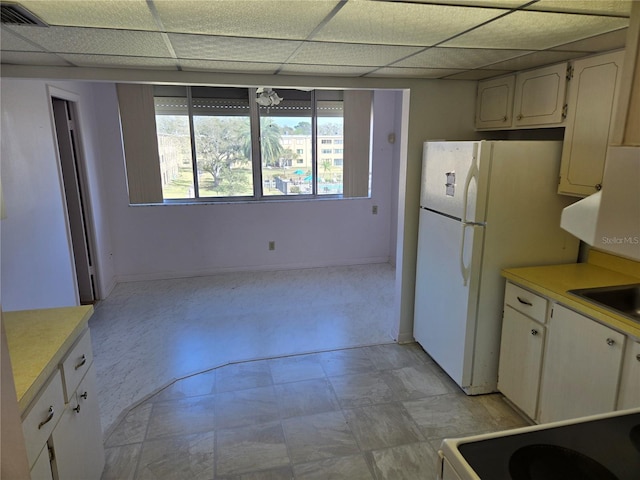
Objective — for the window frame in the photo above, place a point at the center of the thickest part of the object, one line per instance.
(256, 159)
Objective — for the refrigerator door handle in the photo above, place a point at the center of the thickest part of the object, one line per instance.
(464, 269)
(471, 176)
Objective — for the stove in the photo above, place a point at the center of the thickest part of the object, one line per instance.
(598, 447)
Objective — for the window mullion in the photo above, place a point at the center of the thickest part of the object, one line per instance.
(256, 150)
(314, 144)
(194, 162)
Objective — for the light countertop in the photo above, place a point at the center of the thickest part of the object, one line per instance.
(554, 281)
(37, 341)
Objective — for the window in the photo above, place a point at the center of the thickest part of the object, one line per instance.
(218, 143)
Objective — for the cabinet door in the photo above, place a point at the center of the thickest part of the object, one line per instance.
(77, 440)
(630, 383)
(41, 469)
(520, 360)
(581, 367)
(539, 96)
(590, 110)
(494, 103)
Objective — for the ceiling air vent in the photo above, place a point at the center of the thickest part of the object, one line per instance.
(14, 14)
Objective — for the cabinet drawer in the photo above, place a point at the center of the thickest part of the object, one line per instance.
(526, 302)
(43, 415)
(76, 364)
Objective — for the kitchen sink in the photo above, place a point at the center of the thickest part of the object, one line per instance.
(621, 299)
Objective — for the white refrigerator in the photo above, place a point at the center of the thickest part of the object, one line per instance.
(484, 206)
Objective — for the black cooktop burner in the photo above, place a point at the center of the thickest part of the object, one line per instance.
(606, 449)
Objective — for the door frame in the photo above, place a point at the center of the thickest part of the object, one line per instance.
(74, 103)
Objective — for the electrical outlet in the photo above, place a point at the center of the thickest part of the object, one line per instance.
(374, 209)
(272, 245)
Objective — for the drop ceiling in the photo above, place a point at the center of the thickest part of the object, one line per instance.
(450, 39)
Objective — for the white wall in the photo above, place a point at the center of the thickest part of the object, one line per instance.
(182, 240)
(151, 242)
(36, 259)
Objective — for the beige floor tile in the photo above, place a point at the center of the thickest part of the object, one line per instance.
(296, 368)
(240, 376)
(183, 457)
(180, 417)
(306, 398)
(353, 467)
(346, 362)
(406, 462)
(121, 462)
(249, 449)
(317, 437)
(194, 386)
(381, 426)
(282, 473)
(362, 389)
(132, 428)
(252, 406)
(416, 381)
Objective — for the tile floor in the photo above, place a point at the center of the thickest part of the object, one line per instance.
(281, 375)
(377, 412)
(147, 334)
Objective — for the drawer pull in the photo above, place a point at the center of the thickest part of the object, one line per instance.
(48, 419)
(84, 395)
(83, 360)
(638, 357)
(77, 409)
(534, 332)
(524, 302)
(610, 341)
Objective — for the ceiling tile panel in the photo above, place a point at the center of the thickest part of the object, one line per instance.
(440, 57)
(599, 43)
(318, 53)
(401, 23)
(534, 60)
(337, 71)
(477, 74)
(229, 67)
(293, 19)
(537, 30)
(205, 47)
(15, 42)
(413, 72)
(598, 7)
(129, 14)
(33, 58)
(479, 3)
(96, 41)
(113, 61)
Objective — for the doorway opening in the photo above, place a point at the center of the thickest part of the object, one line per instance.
(71, 163)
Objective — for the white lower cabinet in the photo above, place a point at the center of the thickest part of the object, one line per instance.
(64, 440)
(630, 382)
(77, 439)
(562, 365)
(581, 367)
(522, 344)
(41, 470)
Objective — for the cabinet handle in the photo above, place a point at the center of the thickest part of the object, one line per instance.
(534, 332)
(83, 360)
(525, 302)
(598, 186)
(610, 341)
(638, 357)
(505, 118)
(48, 419)
(84, 395)
(77, 409)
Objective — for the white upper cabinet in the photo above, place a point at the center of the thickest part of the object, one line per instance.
(494, 103)
(591, 106)
(539, 96)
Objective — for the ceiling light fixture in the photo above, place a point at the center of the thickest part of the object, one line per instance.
(267, 97)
